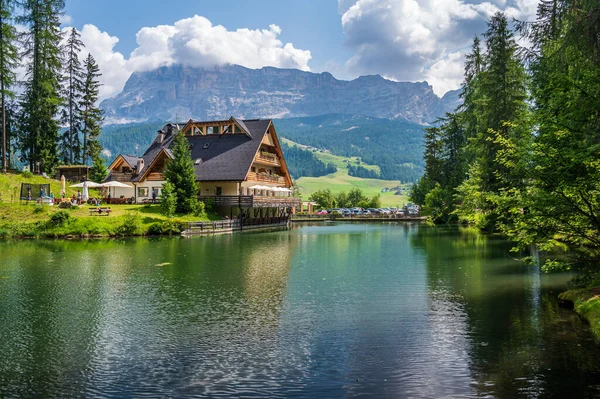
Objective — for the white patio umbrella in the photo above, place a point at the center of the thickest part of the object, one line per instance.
(115, 184)
(89, 184)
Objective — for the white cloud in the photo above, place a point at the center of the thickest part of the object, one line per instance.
(413, 40)
(194, 42)
(66, 19)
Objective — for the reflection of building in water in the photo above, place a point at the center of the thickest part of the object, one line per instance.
(266, 271)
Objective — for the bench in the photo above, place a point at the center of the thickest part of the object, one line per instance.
(100, 211)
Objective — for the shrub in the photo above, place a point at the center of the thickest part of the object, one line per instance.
(168, 200)
(65, 205)
(168, 227)
(27, 174)
(60, 218)
(38, 208)
(197, 208)
(130, 225)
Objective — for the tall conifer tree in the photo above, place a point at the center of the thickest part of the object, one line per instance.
(70, 144)
(91, 115)
(8, 62)
(41, 99)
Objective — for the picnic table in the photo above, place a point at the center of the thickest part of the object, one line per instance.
(100, 211)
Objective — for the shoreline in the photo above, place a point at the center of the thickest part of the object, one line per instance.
(586, 303)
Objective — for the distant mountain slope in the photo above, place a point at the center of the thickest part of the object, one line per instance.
(181, 93)
(395, 146)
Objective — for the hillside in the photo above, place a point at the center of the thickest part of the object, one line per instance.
(342, 181)
(179, 93)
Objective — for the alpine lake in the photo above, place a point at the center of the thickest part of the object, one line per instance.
(335, 310)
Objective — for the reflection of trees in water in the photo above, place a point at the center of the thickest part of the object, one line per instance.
(519, 342)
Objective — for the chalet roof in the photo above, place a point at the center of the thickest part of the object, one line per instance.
(130, 159)
(227, 157)
(222, 157)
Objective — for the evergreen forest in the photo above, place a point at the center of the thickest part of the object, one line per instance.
(50, 114)
(521, 155)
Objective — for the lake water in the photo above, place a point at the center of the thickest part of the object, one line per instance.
(317, 311)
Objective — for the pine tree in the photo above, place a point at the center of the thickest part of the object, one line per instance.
(91, 115)
(70, 144)
(41, 99)
(98, 171)
(180, 173)
(9, 58)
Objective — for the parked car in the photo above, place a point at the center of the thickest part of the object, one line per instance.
(321, 212)
(346, 212)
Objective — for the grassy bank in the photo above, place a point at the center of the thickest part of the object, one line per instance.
(586, 303)
(33, 221)
(20, 220)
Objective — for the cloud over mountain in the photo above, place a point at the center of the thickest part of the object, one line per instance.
(192, 42)
(409, 40)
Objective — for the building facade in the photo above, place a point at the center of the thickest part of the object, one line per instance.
(239, 165)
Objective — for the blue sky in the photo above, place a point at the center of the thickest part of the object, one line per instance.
(403, 40)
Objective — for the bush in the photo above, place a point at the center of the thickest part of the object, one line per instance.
(168, 227)
(197, 208)
(168, 200)
(131, 225)
(27, 174)
(60, 218)
(65, 205)
(38, 208)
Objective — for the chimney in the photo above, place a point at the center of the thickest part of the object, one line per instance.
(140, 166)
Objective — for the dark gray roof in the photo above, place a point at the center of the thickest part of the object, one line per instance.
(227, 157)
(131, 160)
(223, 157)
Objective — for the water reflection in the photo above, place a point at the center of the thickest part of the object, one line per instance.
(328, 311)
(518, 341)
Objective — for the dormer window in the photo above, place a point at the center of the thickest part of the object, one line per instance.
(237, 129)
(212, 130)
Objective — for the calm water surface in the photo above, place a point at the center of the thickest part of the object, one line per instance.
(317, 311)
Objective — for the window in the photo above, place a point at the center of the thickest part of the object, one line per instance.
(237, 129)
(253, 169)
(226, 129)
(156, 190)
(212, 130)
(219, 191)
(196, 131)
(142, 191)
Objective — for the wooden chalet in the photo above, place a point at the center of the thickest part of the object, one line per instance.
(239, 167)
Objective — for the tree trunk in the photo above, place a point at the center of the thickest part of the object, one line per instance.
(3, 104)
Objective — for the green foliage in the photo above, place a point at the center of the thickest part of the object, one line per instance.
(27, 175)
(180, 173)
(168, 200)
(438, 204)
(197, 208)
(168, 227)
(39, 209)
(60, 218)
(324, 198)
(304, 163)
(91, 115)
(70, 143)
(131, 225)
(41, 99)
(9, 61)
(98, 171)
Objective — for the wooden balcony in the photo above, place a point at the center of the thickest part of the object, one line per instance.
(251, 201)
(155, 176)
(122, 177)
(259, 177)
(267, 159)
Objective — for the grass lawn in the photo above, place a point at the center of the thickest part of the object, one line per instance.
(341, 181)
(30, 220)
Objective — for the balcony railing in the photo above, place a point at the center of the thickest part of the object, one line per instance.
(268, 158)
(122, 177)
(251, 201)
(252, 176)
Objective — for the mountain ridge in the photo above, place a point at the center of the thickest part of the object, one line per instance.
(180, 93)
